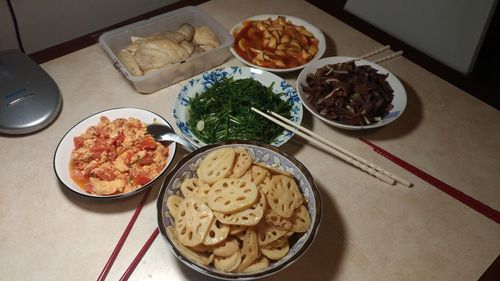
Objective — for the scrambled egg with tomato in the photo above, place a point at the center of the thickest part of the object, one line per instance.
(116, 157)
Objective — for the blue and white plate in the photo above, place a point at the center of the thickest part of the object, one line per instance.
(202, 82)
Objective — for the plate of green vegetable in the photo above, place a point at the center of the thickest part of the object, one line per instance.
(216, 106)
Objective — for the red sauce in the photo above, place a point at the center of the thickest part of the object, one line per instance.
(291, 48)
(83, 181)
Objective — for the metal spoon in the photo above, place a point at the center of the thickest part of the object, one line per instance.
(165, 133)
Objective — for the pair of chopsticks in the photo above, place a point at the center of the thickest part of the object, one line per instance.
(335, 149)
(142, 252)
(119, 245)
(378, 51)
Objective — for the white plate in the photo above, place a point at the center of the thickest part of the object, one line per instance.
(398, 102)
(63, 151)
(311, 28)
(205, 80)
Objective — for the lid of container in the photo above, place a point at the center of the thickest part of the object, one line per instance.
(30, 99)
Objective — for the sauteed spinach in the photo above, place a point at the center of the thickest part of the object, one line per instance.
(224, 111)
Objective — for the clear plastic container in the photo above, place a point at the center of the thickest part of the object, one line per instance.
(115, 40)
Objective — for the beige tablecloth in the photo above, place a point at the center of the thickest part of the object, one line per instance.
(370, 230)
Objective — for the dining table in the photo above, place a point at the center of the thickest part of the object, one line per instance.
(370, 230)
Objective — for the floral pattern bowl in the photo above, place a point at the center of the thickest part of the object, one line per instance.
(202, 82)
(260, 152)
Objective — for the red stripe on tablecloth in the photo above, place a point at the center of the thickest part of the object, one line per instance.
(448, 189)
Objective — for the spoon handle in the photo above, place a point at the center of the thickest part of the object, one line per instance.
(165, 133)
(180, 140)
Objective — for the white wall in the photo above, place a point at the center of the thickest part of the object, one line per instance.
(45, 23)
(451, 31)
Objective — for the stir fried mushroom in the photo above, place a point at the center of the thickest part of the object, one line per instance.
(349, 94)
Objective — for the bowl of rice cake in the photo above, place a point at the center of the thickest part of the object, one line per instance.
(238, 210)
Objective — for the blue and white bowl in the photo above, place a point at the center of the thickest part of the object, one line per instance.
(263, 153)
(202, 82)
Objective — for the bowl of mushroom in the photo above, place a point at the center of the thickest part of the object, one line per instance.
(351, 93)
(239, 210)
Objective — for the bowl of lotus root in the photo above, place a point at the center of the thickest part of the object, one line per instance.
(239, 210)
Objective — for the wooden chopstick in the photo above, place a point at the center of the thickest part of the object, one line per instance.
(391, 56)
(137, 259)
(376, 52)
(336, 150)
(124, 236)
(367, 55)
(345, 151)
(371, 54)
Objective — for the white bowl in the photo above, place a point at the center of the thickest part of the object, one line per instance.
(202, 82)
(63, 151)
(264, 153)
(296, 21)
(398, 102)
